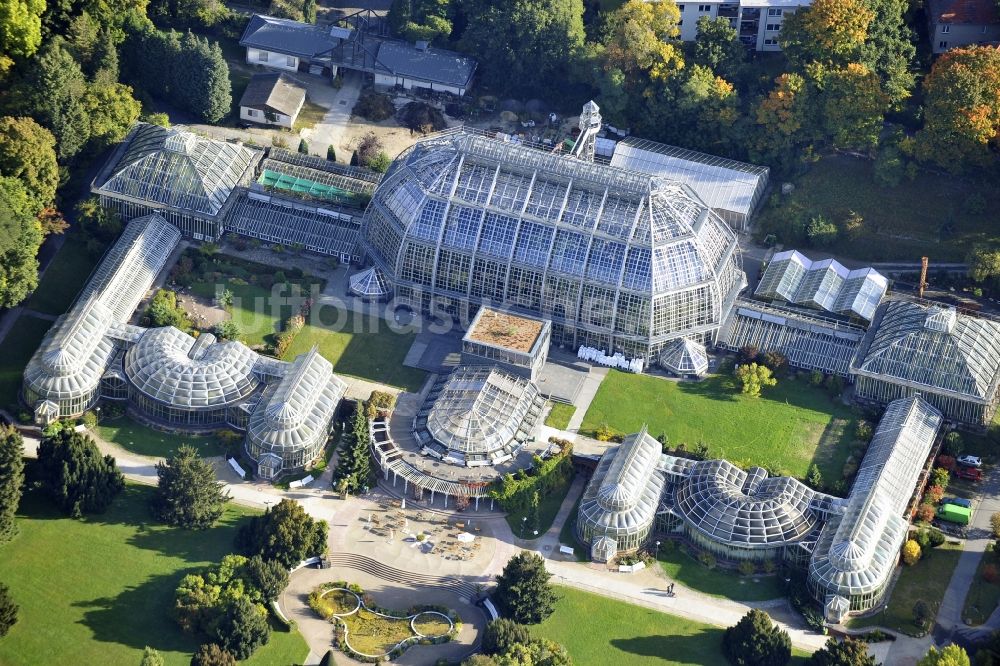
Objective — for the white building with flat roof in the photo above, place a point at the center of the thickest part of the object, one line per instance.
(758, 21)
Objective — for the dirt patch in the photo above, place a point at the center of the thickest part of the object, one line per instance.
(203, 312)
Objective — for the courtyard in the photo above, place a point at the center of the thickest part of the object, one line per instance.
(791, 426)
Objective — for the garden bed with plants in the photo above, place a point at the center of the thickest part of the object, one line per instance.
(369, 633)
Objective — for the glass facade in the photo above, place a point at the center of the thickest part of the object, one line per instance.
(617, 260)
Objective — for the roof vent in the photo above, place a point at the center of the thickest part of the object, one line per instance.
(940, 319)
(179, 142)
(421, 45)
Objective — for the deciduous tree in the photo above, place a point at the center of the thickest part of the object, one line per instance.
(11, 479)
(949, 655)
(28, 153)
(73, 472)
(753, 377)
(639, 38)
(523, 592)
(151, 657)
(828, 31)
(853, 106)
(112, 109)
(717, 46)
(20, 238)
(20, 30)
(188, 494)
(961, 109)
(285, 533)
(756, 641)
(210, 654)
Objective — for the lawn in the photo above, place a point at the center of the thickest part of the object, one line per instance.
(598, 631)
(309, 116)
(983, 595)
(567, 534)
(98, 590)
(65, 276)
(691, 573)
(923, 216)
(145, 441)
(20, 343)
(791, 426)
(926, 580)
(560, 415)
(360, 346)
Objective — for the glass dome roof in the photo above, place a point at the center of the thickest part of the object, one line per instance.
(481, 409)
(176, 369)
(468, 216)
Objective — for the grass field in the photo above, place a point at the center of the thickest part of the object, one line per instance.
(791, 426)
(983, 596)
(18, 346)
(361, 347)
(560, 415)
(145, 441)
(926, 580)
(598, 631)
(567, 533)
(254, 310)
(98, 590)
(64, 277)
(691, 573)
(902, 223)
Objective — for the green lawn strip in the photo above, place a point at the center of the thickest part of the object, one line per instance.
(254, 311)
(598, 631)
(360, 346)
(900, 223)
(64, 277)
(560, 415)
(783, 429)
(146, 441)
(370, 633)
(567, 534)
(691, 573)
(100, 589)
(926, 580)
(548, 507)
(310, 115)
(21, 341)
(983, 596)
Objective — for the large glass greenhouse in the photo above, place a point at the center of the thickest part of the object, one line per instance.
(744, 515)
(292, 422)
(617, 260)
(857, 550)
(66, 369)
(619, 505)
(478, 415)
(951, 360)
(186, 178)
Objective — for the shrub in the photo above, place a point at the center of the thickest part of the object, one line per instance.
(500, 635)
(8, 611)
(421, 117)
(923, 538)
(331, 153)
(863, 431)
(756, 640)
(990, 573)
(746, 568)
(283, 340)
(708, 560)
(374, 106)
(369, 147)
(748, 354)
(922, 613)
(911, 552)
(816, 378)
(227, 330)
(953, 444)
(89, 419)
(814, 478)
(821, 232)
(940, 477)
(935, 537)
(768, 566)
(303, 146)
(934, 494)
(380, 163)
(754, 377)
(995, 524)
(777, 361)
(926, 512)
(210, 654)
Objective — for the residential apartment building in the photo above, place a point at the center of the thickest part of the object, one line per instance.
(758, 21)
(954, 23)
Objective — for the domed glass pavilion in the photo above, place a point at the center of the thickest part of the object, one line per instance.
(617, 260)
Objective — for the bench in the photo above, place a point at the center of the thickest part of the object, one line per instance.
(566, 550)
(236, 468)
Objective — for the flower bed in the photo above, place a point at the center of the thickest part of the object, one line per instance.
(369, 633)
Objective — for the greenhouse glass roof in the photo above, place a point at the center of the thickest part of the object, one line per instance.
(825, 284)
(856, 552)
(746, 508)
(178, 370)
(74, 353)
(369, 283)
(624, 492)
(684, 357)
(133, 262)
(555, 220)
(482, 410)
(933, 348)
(721, 183)
(296, 411)
(179, 169)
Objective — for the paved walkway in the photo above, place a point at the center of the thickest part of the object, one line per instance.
(330, 130)
(586, 396)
